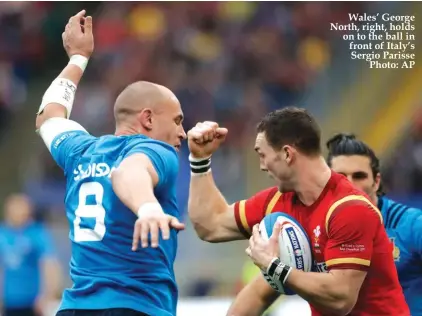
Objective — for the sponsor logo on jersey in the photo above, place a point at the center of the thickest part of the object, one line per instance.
(94, 170)
(396, 250)
(317, 233)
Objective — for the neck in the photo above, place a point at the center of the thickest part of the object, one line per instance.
(17, 224)
(374, 199)
(312, 179)
(125, 130)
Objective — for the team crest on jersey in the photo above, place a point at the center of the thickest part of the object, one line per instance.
(317, 233)
(396, 250)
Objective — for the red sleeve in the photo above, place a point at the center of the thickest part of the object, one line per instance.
(251, 211)
(351, 227)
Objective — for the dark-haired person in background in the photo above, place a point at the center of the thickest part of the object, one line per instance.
(357, 161)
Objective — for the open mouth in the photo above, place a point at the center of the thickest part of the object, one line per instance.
(177, 147)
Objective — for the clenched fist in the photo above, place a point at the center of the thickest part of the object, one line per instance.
(77, 37)
(205, 138)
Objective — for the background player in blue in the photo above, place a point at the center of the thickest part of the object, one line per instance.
(354, 159)
(120, 190)
(27, 257)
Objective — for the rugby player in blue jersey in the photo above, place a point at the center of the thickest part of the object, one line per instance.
(121, 190)
(357, 161)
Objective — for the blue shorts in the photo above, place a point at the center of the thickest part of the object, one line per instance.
(100, 312)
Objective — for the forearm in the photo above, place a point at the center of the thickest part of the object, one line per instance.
(322, 290)
(55, 108)
(134, 187)
(51, 276)
(253, 299)
(205, 205)
(72, 72)
(247, 304)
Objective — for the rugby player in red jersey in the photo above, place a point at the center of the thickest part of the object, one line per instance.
(349, 243)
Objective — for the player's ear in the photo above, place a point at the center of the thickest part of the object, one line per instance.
(377, 182)
(145, 119)
(287, 153)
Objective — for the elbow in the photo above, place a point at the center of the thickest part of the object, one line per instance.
(205, 229)
(342, 309)
(40, 119)
(38, 122)
(210, 238)
(210, 223)
(340, 301)
(204, 233)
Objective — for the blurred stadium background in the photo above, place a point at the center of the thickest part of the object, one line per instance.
(226, 61)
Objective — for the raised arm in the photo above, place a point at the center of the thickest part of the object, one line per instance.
(63, 137)
(213, 218)
(78, 42)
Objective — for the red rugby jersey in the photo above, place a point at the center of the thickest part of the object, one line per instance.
(346, 232)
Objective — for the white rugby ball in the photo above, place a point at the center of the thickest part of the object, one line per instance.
(295, 248)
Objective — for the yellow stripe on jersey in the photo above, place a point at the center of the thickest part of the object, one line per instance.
(360, 261)
(273, 202)
(347, 199)
(242, 215)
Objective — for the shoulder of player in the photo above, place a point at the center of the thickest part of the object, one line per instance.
(133, 141)
(397, 214)
(272, 200)
(354, 204)
(263, 198)
(272, 196)
(74, 137)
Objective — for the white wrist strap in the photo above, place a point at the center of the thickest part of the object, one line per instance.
(193, 159)
(79, 60)
(61, 91)
(149, 208)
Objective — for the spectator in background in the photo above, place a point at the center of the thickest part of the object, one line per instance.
(31, 274)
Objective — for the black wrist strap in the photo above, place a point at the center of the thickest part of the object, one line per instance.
(278, 270)
(200, 166)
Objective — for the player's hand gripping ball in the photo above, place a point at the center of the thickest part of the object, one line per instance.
(205, 138)
(294, 246)
(78, 38)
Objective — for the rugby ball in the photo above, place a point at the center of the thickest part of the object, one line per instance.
(295, 248)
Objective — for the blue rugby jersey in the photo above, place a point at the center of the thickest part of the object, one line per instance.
(104, 270)
(404, 228)
(22, 250)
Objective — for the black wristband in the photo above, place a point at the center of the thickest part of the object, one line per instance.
(278, 270)
(200, 166)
